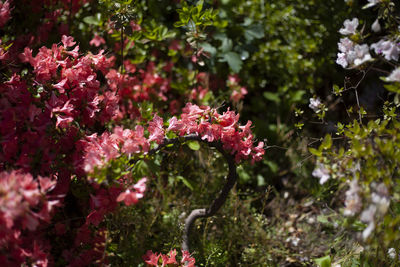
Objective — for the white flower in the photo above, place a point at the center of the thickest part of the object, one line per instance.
(314, 104)
(322, 173)
(353, 200)
(367, 216)
(352, 54)
(342, 60)
(376, 27)
(361, 54)
(350, 26)
(367, 231)
(345, 45)
(391, 253)
(371, 3)
(394, 76)
(389, 49)
(381, 198)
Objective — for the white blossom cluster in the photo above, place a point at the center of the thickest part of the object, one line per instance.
(352, 54)
(322, 173)
(379, 205)
(315, 104)
(390, 50)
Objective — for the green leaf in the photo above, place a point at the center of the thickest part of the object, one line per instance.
(226, 44)
(209, 48)
(254, 32)
(234, 61)
(323, 261)
(315, 152)
(92, 20)
(326, 143)
(272, 97)
(193, 145)
(297, 95)
(185, 182)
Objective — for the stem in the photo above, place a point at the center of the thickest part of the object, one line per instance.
(223, 194)
(122, 49)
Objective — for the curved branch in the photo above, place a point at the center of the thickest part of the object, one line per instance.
(218, 202)
(223, 194)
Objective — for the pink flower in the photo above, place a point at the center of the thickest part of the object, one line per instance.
(140, 186)
(156, 130)
(97, 40)
(132, 197)
(169, 260)
(4, 12)
(67, 41)
(174, 125)
(187, 260)
(237, 95)
(151, 258)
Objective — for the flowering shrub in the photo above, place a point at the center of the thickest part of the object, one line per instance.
(74, 116)
(152, 259)
(363, 164)
(27, 206)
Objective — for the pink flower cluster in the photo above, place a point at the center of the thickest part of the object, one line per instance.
(4, 12)
(238, 92)
(38, 113)
(203, 121)
(101, 149)
(212, 126)
(139, 85)
(25, 206)
(152, 259)
(74, 80)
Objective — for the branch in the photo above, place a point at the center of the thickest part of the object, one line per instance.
(218, 202)
(223, 194)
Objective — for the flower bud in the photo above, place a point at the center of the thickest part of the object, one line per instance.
(376, 27)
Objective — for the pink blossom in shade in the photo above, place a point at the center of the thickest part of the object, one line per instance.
(132, 197)
(151, 258)
(135, 26)
(26, 56)
(187, 260)
(237, 95)
(4, 12)
(170, 258)
(95, 218)
(97, 40)
(67, 41)
(140, 186)
(66, 109)
(129, 67)
(233, 79)
(258, 152)
(19, 198)
(156, 129)
(61, 86)
(63, 121)
(128, 197)
(173, 106)
(46, 184)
